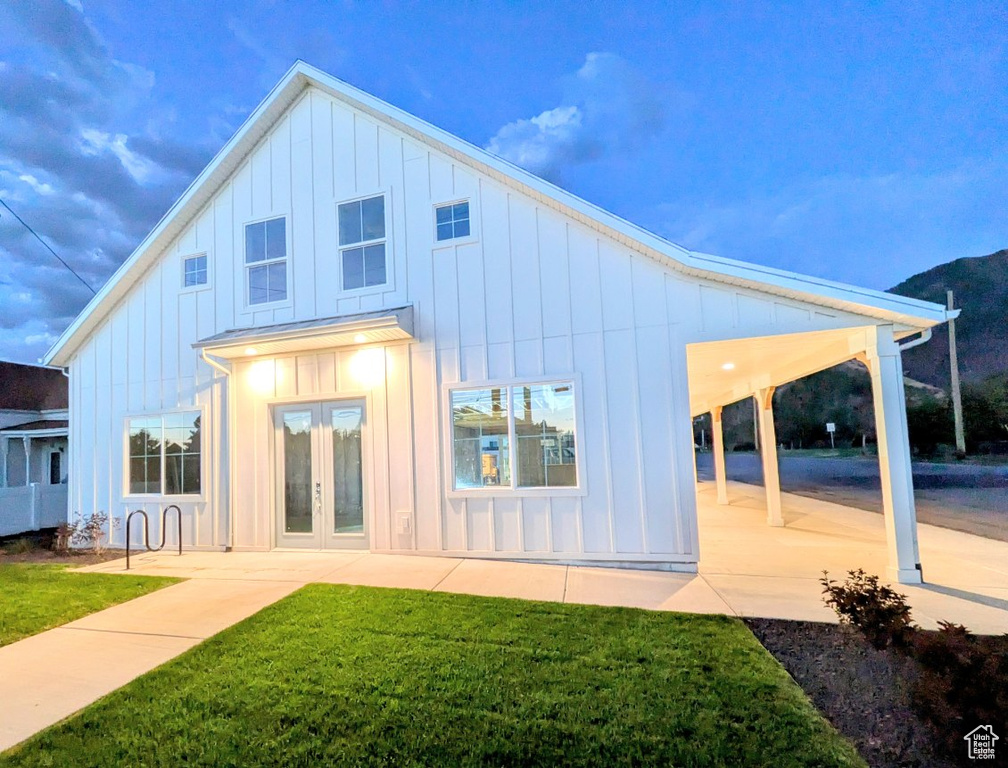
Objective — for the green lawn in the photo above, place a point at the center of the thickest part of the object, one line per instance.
(338, 675)
(36, 597)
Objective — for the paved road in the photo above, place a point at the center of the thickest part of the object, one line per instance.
(965, 497)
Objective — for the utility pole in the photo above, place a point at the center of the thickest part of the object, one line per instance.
(960, 435)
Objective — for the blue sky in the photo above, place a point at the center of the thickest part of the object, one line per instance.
(857, 142)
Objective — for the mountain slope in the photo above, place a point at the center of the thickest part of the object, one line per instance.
(980, 285)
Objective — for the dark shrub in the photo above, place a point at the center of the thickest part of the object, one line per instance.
(963, 682)
(879, 612)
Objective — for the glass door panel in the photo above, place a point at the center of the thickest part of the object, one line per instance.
(344, 430)
(297, 476)
(298, 490)
(347, 474)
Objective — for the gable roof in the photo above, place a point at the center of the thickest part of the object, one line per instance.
(32, 388)
(883, 306)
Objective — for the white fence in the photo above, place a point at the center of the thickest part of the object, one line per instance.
(31, 507)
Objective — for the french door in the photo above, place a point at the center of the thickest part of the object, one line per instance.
(320, 500)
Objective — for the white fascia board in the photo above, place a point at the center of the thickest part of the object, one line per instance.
(816, 286)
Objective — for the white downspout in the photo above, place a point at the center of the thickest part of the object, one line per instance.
(922, 339)
(230, 448)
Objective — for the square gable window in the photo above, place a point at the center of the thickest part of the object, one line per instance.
(362, 242)
(452, 221)
(194, 271)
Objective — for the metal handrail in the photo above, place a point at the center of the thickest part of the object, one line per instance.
(146, 530)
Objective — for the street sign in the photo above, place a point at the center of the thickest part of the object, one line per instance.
(830, 426)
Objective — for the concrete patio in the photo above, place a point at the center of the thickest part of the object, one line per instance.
(747, 569)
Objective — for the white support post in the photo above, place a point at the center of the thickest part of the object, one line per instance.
(717, 443)
(768, 453)
(3, 461)
(27, 460)
(886, 368)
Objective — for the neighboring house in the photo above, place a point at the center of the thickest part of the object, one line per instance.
(33, 447)
(357, 330)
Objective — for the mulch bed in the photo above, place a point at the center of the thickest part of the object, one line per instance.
(863, 692)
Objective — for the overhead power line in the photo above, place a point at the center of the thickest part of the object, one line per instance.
(48, 247)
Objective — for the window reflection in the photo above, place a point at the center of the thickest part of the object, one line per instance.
(480, 434)
(540, 418)
(544, 435)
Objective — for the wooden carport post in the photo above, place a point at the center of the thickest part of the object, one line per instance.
(720, 474)
(884, 363)
(768, 453)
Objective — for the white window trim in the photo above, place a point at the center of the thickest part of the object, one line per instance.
(209, 273)
(174, 497)
(288, 260)
(514, 491)
(473, 236)
(389, 284)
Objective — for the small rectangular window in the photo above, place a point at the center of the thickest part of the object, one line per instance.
(194, 270)
(452, 221)
(164, 454)
(266, 260)
(515, 437)
(362, 243)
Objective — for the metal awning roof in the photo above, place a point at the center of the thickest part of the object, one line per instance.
(381, 326)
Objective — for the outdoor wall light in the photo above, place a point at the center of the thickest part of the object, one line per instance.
(728, 367)
(368, 367)
(360, 338)
(262, 376)
(250, 351)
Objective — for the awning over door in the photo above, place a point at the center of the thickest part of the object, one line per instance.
(377, 327)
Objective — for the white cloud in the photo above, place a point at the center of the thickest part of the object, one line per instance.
(536, 143)
(140, 168)
(607, 107)
(38, 186)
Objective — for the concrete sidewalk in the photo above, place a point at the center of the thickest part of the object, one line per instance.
(49, 676)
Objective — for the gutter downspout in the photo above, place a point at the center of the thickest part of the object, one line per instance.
(230, 448)
(922, 339)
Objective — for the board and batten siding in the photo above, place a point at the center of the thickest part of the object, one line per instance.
(534, 295)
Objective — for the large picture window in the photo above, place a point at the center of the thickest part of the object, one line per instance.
(520, 436)
(362, 242)
(165, 454)
(266, 260)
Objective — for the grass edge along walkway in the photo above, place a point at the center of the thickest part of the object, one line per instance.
(358, 675)
(35, 597)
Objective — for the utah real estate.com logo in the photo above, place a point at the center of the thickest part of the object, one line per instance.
(980, 742)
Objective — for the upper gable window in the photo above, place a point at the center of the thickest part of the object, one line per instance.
(194, 271)
(362, 242)
(452, 221)
(266, 260)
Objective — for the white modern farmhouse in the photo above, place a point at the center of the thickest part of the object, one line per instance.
(356, 330)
